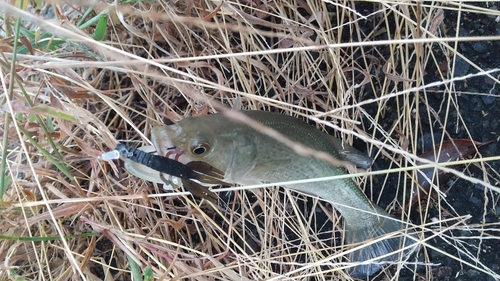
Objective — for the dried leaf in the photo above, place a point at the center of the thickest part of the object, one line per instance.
(86, 148)
(65, 210)
(450, 150)
(42, 109)
(214, 12)
(26, 42)
(70, 91)
(394, 77)
(436, 21)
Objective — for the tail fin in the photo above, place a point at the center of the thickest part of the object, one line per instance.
(364, 235)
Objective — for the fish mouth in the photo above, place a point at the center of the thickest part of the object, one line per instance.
(177, 155)
(164, 144)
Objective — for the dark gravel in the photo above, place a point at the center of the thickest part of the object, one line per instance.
(479, 106)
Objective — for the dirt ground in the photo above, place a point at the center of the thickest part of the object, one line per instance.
(478, 104)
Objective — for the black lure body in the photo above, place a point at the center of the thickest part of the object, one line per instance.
(192, 170)
(156, 162)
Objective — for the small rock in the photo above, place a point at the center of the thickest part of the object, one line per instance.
(490, 278)
(487, 99)
(461, 67)
(443, 272)
(479, 186)
(475, 200)
(462, 47)
(495, 267)
(472, 273)
(492, 15)
(426, 141)
(489, 219)
(480, 47)
(463, 32)
(465, 233)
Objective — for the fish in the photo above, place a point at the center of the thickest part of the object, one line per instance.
(246, 155)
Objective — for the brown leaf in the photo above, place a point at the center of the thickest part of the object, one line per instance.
(26, 42)
(68, 90)
(450, 150)
(436, 21)
(214, 12)
(87, 149)
(64, 210)
(177, 225)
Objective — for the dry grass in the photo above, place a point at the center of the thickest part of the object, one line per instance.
(67, 215)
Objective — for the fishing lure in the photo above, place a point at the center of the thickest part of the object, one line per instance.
(156, 162)
(195, 170)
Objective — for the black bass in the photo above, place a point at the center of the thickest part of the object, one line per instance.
(246, 155)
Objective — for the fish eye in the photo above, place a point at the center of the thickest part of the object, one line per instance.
(200, 148)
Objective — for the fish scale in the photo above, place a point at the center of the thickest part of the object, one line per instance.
(294, 167)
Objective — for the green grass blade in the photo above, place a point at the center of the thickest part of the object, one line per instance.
(44, 238)
(5, 137)
(136, 270)
(59, 164)
(101, 28)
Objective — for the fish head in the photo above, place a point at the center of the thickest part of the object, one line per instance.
(212, 139)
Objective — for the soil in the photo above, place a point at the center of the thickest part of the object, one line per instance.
(478, 104)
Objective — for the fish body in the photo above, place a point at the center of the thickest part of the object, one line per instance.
(246, 155)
